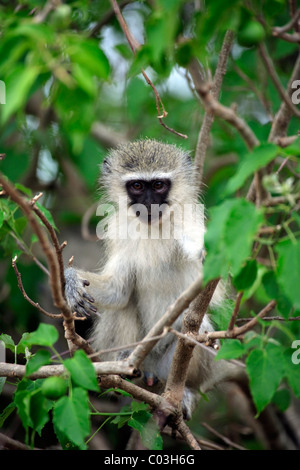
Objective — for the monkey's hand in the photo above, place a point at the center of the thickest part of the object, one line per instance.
(76, 295)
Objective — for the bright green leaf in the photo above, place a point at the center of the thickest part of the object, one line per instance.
(82, 371)
(274, 291)
(292, 366)
(266, 370)
(229, 237)
(241, 226)
(88, 55)
(231, 349)
(18, 85)
(46, 213)
(71, 416)
(8, 341)
(40, 358)
(45, 335)
(252, 162)
(6, 413)
(247, 275)
(289, 270)
(33, 407)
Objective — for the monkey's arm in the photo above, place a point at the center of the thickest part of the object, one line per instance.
(86, 292)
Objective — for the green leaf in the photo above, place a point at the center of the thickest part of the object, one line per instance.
(33, 407)
(40, 358)
(230, 349)
(18, 86)
(137, 96)
(120, 421)
(8, 341)
(289, 270)
(144, 423)
(2, 383)
(265, 369)
(39, 410)
(292, 365)
(247, 275)
(47, 214)
(252, 162)
(82, 371)
(71, 417)
(151, 436)
(88, 55)
(229, 237)
(84, 79)
(282, 399)
(274, 291)
(216, 264)
(24, 189)
(241, 225)
(6, 413)
(45, 335)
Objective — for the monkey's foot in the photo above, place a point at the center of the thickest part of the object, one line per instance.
(77, 297)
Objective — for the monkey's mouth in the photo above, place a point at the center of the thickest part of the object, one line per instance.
(149, 217)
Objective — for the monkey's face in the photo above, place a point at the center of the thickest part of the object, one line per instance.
(148, 198)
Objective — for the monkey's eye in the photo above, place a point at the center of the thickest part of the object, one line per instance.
(137, 186)
(158, 185)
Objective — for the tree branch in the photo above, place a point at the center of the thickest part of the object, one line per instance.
(134, 46)
(213, 106)
(273, 74)
(284, 114)
(101, 368)
(236, 331)
(183, 352)
(203, 138)
(71, 336)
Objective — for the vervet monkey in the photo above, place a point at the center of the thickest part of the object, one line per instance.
(154, 249)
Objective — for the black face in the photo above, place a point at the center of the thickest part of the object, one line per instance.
(154, 192)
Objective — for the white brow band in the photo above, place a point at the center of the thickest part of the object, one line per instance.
(146, 176)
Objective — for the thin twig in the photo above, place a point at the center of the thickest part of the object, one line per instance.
(212, 105)
(21, 287)
(255, 90)
(132, 345)
(293, 38)
(203, 138)
(277, 30)
(134, 46)
(271, 318)
(56, 244)
(71, 336)
(235, 311)
(275, 79)
(284, 114)
(222, 437)
(236, 331)
(187, 435)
